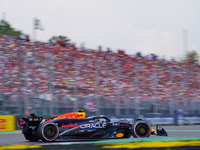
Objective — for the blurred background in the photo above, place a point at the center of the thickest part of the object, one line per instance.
(57, 75)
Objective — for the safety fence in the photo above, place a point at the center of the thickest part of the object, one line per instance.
(97, 106)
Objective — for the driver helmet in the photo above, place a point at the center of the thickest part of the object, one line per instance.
(81, 113)
(80, 110)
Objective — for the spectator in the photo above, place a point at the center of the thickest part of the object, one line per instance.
(35, 67)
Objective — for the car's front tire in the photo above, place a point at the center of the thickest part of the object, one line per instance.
(141, 129)
(48, 132)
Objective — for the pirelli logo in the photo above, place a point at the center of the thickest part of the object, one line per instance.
(7, 123)
(3, 125)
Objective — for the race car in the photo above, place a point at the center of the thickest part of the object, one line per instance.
(74, 125)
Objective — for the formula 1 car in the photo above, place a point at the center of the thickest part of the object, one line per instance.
(75, 126)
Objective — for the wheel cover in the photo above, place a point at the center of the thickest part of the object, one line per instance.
(142, 130)
(50, 131)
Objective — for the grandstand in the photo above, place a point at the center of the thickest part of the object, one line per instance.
(54, 79)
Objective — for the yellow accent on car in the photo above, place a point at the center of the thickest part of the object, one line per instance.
(119, 134)
(81, 114)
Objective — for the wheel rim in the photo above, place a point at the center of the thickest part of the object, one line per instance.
(142, 130)
(50, 131)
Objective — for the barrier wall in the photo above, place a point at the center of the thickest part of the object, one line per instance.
(161, 119)
(7, 123)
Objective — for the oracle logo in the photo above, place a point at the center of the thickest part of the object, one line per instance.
(2, 124)
(94, 125)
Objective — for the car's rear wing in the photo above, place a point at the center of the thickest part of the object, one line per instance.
(30, 121)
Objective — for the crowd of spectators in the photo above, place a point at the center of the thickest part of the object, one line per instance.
(40, 69)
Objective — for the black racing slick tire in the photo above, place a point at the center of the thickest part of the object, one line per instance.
(140, 129)
(48, 132)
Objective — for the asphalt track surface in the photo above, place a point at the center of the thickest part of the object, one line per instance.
(16, 137)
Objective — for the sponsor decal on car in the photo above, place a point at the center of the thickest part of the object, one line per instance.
(119, 134)
(69, 125)
(22, 121)
(93, 125)
(34, 119)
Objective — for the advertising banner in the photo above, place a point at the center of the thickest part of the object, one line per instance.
(7, 123)
(151, 119)
(154, 120)
(187, 119)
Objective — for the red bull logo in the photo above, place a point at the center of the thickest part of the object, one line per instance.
(3, 124)
(69, 125)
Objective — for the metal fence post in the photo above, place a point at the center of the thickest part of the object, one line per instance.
(118, 104)
(97, 88)
(137, 82)
(187, 101)
(3, 104)
(155, 103)
(20, 76)
(51, 80)
(75, 82)
(26, 103)
(171, 108)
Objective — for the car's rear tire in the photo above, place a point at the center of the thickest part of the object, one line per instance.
(48, 132)
(141, 129)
